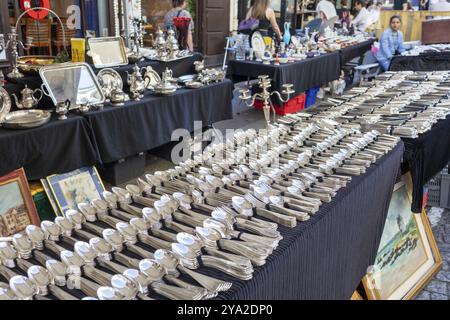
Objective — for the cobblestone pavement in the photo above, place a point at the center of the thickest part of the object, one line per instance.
(439, 287)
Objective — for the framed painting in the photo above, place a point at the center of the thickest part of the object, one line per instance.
(70, 189)
(408, 256)
(17, 209)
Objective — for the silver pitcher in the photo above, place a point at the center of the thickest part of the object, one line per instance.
(28, 100)
(136, 83)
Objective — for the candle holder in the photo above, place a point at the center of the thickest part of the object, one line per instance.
(14, 44)
(138, 39)
(265, 84)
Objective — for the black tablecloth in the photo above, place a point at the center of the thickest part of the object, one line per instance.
(327, 256)
(357, 50)
(139, 126)
(304, 74)
(424, 62)
(57, 147)
(426, 156)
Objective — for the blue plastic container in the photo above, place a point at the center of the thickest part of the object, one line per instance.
(311, 96)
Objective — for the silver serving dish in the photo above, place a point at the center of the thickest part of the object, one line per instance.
(110, 80)
(187, 78)
(108, 52)
(26, 119)
(151, 77)
(194, 85)
(165, 88)
(5, 104)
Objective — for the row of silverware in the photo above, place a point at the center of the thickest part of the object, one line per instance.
(221, 211)
(403, 104)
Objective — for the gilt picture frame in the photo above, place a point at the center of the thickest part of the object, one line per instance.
(70, 189)
(408, 256)
(17, 209)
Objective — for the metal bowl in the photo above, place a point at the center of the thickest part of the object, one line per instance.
(26, 119)
(32, 64)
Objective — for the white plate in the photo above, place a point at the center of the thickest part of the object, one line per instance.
(258, 42)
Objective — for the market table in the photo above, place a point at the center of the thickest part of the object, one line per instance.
(426, 156)
(425, 62)
(179, 67)
(139, 126)
(56, 147)
(304, 75)
(327, 256)
(357, 50)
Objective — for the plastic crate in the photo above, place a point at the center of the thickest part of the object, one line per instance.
(294, 105)
(434, 196)
(311, 96)
(445, 191)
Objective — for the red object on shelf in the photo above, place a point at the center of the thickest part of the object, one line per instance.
(294, 105)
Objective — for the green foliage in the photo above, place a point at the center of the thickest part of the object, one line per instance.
(192, 7)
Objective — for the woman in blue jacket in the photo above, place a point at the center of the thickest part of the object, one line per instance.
(391, 42)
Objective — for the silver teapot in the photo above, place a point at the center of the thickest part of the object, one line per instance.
(28, 99)
(172, 45)
(136, 83)
(118, 97)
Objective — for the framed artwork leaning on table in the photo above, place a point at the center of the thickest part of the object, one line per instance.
(408, 256)
(70, 189)
(17, 209)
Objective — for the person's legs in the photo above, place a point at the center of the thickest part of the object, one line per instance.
(384, 64)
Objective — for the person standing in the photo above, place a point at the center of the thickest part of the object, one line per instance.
(401, 5)
(363, 20)
(179, 10)
(391, 43)
(268, 25)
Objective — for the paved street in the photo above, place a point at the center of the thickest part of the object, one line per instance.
(439, 287)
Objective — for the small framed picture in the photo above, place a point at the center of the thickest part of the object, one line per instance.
(51, 198)
(70, 189)
(17, 209)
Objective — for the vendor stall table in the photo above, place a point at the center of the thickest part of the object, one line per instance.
(56, 147)
(357, 50)
(304, 75)
(180, 67)
(139, 126)
(327, 256)
(426, 156)
(424, 62)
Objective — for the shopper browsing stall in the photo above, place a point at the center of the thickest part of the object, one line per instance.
(178, 11)
(391, 42)
(363, 20)
(261, 11)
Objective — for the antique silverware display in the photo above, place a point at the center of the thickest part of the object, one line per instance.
(165, 86)
(28, 99)
(151, 77)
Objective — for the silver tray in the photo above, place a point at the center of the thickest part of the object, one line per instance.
(109, 79)
(26, 119)
(108, 52)
(155, 58)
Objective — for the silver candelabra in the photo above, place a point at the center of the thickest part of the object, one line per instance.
(14, 43)
(264, 84)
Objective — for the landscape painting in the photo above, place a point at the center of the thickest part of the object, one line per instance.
(404, 256)
(17, 209)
